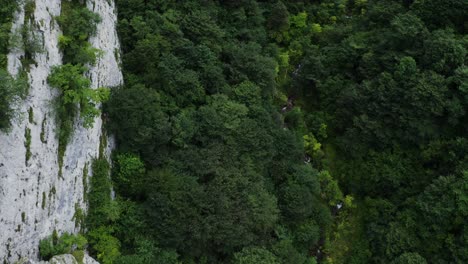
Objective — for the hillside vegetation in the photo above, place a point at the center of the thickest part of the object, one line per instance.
(288, 132)
(292, 132)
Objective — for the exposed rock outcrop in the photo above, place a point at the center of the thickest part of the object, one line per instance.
(60, 259)
(34, 201)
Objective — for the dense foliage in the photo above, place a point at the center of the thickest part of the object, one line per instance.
(390, 82)
(207, 171)
(373, 102)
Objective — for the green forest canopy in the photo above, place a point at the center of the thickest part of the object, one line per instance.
(374, 93)
(248, 131)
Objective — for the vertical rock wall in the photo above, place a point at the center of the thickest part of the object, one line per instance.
(33, 199)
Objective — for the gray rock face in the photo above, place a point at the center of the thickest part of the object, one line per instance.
(34, 201)
(60, 259)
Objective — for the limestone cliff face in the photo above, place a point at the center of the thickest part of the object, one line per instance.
(33, 199)
(60, 259)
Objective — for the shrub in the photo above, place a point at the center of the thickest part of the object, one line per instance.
(77, 24)
(65, 244)
(76, 93)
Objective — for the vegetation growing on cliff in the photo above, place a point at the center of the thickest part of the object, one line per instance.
(76, 95)
(7, 9)
(63, 244)
(11, 89)
(103, 211)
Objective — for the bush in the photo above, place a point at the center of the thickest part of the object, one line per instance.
(77, 24)
(106, 245)
(65, 244)
(75, 91)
